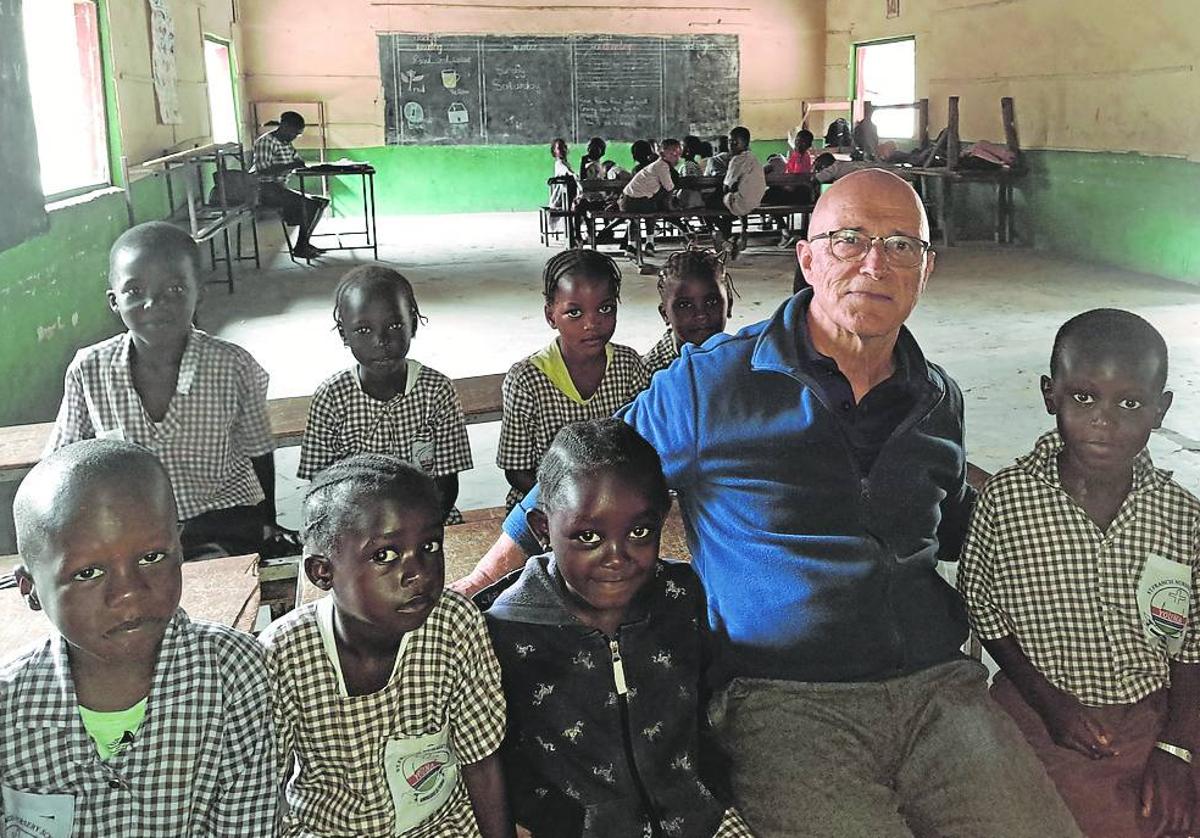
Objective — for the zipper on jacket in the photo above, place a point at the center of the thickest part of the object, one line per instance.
(614, 649)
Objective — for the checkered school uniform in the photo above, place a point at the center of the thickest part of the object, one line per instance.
(1034, 566)
(661, 354)
(269, 150)
(202, 763)
(446, 674)
(534, 409)
(423, 425)
(216, 422)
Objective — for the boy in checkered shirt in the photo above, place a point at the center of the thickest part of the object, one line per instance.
(580, 375)
(386, 403)
(1079, 573)
(131, 719)
(388, 708)
(198, 402)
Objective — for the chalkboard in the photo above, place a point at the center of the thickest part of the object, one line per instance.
(492, 89)
(23, 210)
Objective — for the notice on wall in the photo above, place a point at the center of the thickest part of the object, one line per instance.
(162, 62)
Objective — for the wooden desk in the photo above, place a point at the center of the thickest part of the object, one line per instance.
(366, 174)
(218, 590)
(21, 446)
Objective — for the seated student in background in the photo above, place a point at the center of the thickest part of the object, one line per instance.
(603, 654)
(590, 166)
(564, 185)
(717, 163)
(799, 162)
(742, 189)
(643, 154)
(275, 158)
(692, 149)
(1080, 575)
(196, 401)
(696, 299)
(131, 719)
(580, 375)
(387, 700)
(652, 187)
(386, 403)
(612, 171)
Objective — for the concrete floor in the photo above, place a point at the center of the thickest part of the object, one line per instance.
(988, 316)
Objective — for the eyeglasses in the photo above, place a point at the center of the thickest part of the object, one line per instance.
(852, 246)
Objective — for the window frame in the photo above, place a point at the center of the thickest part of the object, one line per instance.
(208, 37)
(855, 102)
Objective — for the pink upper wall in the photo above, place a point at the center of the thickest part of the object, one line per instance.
(299, 50)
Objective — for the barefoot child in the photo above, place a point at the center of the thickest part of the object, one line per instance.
(580, 375)
(602, 649)
(198, 402)
(1079, 573)
(696, 296)
(386, 403)
(131, 719)
(388, 709)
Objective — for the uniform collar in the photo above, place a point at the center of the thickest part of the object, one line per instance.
(1042, 464)
(189, 364)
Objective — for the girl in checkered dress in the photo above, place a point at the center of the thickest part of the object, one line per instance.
(696, 299)
(386, 693)
(386, 403)
(603, 649)
(580, 375)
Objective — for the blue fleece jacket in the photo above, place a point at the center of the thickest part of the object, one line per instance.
(813, 571)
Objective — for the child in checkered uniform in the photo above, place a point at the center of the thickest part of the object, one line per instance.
(603, 653)
(696, 299)
(196, 401)
(386, 403)
(388, 708)
(580, 375)
(131, 719)
(1079, 572)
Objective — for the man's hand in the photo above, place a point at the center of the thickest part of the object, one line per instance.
(1071, 725)
(1168, 795)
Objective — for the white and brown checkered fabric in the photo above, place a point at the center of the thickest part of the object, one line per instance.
(661, 354)
(1035, 567)
(447, 673)
(216, 422)
(535, 410)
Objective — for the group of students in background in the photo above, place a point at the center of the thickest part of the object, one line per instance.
(573, 703)
(653, 184)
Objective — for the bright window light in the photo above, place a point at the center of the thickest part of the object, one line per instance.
(886, 75)
(62, 44)
(221, 105)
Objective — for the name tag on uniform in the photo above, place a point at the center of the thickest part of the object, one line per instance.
(422, 452)
(1164, 596)
(422, 772)
(31, 815)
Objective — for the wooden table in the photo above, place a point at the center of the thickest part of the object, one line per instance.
(367, 175)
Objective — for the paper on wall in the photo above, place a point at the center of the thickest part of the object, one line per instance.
(162, 62)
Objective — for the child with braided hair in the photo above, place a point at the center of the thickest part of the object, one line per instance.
(696, 294)
(579, 375)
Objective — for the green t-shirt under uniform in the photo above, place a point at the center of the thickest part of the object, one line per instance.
(112, 731)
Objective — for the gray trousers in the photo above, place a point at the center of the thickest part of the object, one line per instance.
(927, 755)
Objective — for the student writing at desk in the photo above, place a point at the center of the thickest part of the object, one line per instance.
(274, 159)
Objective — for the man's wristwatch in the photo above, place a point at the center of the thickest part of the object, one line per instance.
(1175, 751)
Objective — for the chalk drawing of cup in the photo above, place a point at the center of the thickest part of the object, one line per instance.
(450, 79)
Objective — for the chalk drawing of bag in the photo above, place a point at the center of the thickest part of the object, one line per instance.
(457, 113)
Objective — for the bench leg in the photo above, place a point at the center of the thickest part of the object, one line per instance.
(228, 259)
(254, 237)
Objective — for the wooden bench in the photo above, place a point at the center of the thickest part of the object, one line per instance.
(21, 446)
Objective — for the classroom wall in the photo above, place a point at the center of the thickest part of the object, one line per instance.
(52, 286)
(296, 51)
(1109, 97)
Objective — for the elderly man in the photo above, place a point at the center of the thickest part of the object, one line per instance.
(820, 468)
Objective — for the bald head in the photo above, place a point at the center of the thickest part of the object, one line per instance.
(867, 193)
(65, 490)
(154, 238)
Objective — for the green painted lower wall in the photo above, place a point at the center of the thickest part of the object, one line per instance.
(418, 180)
(1126, 210)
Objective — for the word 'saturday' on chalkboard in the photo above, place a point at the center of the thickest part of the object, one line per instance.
(492, 89)
(23, 210)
